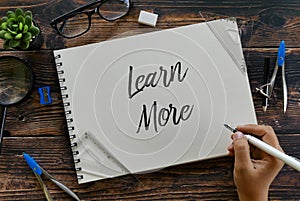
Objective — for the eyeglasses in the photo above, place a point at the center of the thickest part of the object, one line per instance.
(77, 22)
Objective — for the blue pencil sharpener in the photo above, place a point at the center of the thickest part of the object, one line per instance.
(45, 97)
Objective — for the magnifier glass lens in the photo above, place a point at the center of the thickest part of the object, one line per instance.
(15, 80)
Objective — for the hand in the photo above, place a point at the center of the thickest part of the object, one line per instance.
(254, 170)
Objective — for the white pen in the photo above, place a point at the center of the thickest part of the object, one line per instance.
(289, 160)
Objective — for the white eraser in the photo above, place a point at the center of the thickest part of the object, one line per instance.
(147, 18)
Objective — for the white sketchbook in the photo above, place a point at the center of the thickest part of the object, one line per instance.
(145, 102)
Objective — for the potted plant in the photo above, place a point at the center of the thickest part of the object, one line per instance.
(18, 30)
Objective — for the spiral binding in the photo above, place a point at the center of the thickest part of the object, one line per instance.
(69, 119)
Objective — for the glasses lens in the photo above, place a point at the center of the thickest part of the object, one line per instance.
(114, 9)
(15, 82)
(75, 25)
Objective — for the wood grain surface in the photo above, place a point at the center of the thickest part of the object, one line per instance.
(41, 130)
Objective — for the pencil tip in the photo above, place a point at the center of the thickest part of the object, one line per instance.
(264, 108)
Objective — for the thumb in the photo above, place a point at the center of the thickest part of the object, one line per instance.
(241, 151)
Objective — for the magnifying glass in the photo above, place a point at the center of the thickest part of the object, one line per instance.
(16, 82)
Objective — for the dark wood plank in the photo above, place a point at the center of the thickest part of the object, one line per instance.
(203, 180)
(263, 24)
(17, 182)
(282, 122)
(40, 130)
(34, 118)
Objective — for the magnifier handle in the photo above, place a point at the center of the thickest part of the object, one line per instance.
(3, 117)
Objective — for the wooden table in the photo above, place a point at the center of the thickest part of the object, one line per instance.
(41, 129)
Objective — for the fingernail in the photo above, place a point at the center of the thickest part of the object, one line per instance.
(230, 147)
(241, 126)
(238, 135)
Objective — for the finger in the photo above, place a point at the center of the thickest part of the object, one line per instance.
(231, 153)
(230, 147)
(266, 133)
(232, 136)
(230, 150)
(241, 152)
(257, 130)
(256, 153)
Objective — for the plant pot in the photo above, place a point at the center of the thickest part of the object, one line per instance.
(36, 42)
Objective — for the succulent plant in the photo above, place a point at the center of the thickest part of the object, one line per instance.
(17, 29)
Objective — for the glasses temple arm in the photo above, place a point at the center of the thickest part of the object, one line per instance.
(81, 8)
